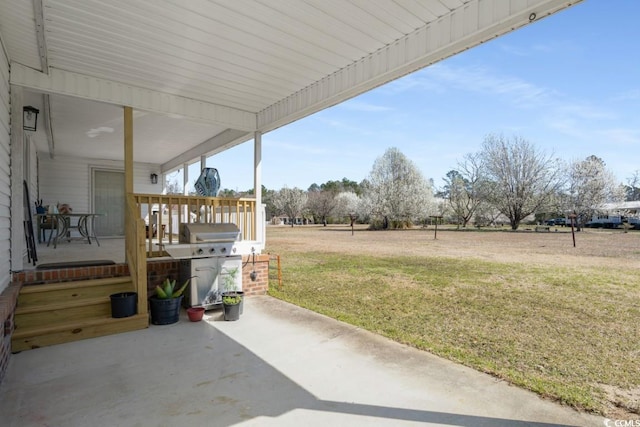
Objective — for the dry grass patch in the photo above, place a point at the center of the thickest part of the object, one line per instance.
(568, 332)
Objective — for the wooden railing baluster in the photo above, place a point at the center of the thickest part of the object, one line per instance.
(173, 210)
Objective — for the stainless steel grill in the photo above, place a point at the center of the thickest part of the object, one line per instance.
(206, 240)
(208, 233)
(211, 256)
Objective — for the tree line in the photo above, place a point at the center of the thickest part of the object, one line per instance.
(507, 180)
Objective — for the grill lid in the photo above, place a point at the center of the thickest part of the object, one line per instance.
(208, 233)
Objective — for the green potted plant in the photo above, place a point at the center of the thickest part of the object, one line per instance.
(231, 297)
(165, 303)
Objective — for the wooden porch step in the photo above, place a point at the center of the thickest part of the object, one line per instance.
(36, 337)
(63, 312)
(61, 305)
(34, 289)
(61, 293)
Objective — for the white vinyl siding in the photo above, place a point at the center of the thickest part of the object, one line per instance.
(68, 180)
(5, 178)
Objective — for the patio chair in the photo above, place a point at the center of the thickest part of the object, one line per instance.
(46, 223)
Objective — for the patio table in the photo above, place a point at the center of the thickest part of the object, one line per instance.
(63, 226)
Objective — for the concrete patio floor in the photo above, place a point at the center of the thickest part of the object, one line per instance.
(279, 365)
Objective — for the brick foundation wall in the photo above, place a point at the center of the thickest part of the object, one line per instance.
(157, 271)
(38, 277)
(261, 284)
(8, 300)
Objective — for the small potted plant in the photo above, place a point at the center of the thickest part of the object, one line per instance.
(165, 304)
(231, 297)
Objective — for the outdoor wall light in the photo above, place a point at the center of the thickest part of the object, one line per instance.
(154, 178)
(29, 118)
(532, 17)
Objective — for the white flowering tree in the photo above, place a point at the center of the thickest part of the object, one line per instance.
(520, 179)
(347, 205)
(590, 186)
(290, 202)
(396, 192)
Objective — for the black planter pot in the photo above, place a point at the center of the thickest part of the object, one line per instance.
(231, 311)
(236, 293)
(241, 301)
(124, 304)
(165, 311)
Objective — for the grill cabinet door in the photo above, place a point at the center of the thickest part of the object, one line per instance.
(203, 288)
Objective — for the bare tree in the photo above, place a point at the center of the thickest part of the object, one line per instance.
(227, 192)
(591, 185)
(320, 204)
(520, 178)
(173, 187)
(633, 187)
(396, 191)
(463, 188)
(291, 202)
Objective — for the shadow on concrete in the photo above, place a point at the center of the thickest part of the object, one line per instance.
(183, 373)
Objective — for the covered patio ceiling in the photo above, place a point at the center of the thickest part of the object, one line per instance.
(203, 75)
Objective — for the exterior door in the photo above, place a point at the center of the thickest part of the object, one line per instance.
(109, 200)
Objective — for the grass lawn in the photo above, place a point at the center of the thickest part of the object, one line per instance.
(525, 307)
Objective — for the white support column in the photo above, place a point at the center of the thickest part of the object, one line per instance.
(203, 162)
(185, 177)
(18, 244)
(257, 186)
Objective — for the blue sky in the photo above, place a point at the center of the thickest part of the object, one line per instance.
(569, 83)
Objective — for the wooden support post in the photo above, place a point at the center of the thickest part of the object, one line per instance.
(436, 218)
(572, 217)
(128, 160)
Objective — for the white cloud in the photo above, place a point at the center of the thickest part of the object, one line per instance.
(567, 126)
(620, 136)
(363, 106)
(632, 95)
(563, 47)
(345, 126)
(415, 81)
(513, 50)
(565, 115)
(585, 111)
(439, 78)
(485, 81)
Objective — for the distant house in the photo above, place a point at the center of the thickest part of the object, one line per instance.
(285, 220)
(614, 215)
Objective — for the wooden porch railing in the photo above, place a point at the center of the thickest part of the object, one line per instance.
(164, 213)
(135, 251)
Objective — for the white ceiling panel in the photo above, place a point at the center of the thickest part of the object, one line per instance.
(232, 66)
(18, 30)
(95, 130)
